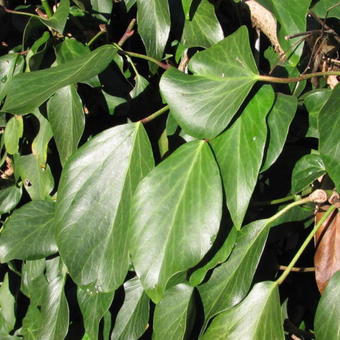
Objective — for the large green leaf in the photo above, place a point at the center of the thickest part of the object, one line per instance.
(204, 103)
(132, 318)
(13, 132)
(7, 302)
(326, 322)
(58, 20)
(230, 282)
(93, 204)
(203, 30)
(93, 306)
(239, 151)
(278, 120)
(257, 317)
(153, 17)
(176, 216)
(32, 225)
(66, 116)
(291, 20)
(329, 145)
(173, 313)
(9, 198)
(27, 91)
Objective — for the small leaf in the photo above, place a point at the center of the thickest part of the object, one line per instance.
(93, 205)
(327, 252)
(93, 306)
(176, 214)
(9, 198)
(239, 151)
(278, 120)
(59, 18)
(306, 170)
(329, 145)
(326, 322)
(327, 8)
(32, 225)
(102, 8)
(186, 4)
(204, 103)
(26, 91)
(257, 317)
(132, 318)
(13, 132)
(174, 313)
(7, 302)
(153, 17)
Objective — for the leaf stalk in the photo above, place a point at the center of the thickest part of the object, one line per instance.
(155, 115)
(302, 77)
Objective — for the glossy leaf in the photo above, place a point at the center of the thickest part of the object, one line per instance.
(9, 198)
(93, 306)
(329, 145)
(7, 302)
(306, 170)
(59, 18)
(27, 91)
(13, 133)
(153, 17)
(230, 282)
(173, 313)
(203, 29)
(175, 216)
(132, 318)
(93, 204)
(31, 224)
(326, 322)
(239, 151)
(66, 116)
(278, 120)
(204, 103)
(327, 8)
(257, 317)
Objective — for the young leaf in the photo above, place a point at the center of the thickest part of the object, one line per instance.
(173, 313)
(93, 204)
(93, 306)
(13, 133)
(59, 18)
(257, 317)
(27, 91)
(7, 302)
(176, 214)
(326, 322)
(230, 282)
(329, 145)
(204, 103)
(239, 151)
(153, 19)
(278, 120)
(31, 224)
(132, 318)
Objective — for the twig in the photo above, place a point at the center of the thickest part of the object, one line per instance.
(128, 33)
(155, 115)
(298, 269)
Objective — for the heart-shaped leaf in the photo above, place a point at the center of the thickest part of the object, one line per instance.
(175, 216)
(93, 205)
(58, 20)
(204, 103)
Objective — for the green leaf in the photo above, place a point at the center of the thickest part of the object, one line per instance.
(203, 30)
(102, 9)
(94, 195)
(27, 91)
(93, 306)
(13, 132)
(204, 103)
(7, 302)
(327, 8)
(66, 116)
(54, 307)
(175, 215)
(257, 317)
(59, 18)
(326, 322)
(186, 4)
(278, 120)
(290, 22)
(221, 256)
(31, 323)
(70, 49)
(239, 151)
(153, 19)
(173, 313)
(230, 282)
(329, 145)
(9, 198)
(32, 225)
(132, 318)
(306, 170)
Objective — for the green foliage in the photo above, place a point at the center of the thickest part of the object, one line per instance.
(120, 223)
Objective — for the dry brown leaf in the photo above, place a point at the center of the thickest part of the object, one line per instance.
(327, 243)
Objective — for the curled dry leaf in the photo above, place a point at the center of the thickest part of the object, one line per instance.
(327, 244)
